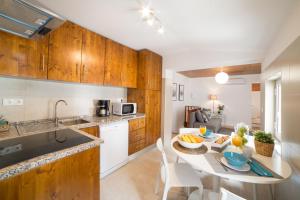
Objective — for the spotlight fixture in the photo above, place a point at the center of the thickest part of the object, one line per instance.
(150, 21)
(161, 30)
(146, 12)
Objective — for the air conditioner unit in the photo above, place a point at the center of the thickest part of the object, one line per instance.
(236, 81)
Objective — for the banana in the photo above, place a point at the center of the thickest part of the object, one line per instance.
(187, 139)
(192, 139)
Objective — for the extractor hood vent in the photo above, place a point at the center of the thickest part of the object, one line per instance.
(27, 19)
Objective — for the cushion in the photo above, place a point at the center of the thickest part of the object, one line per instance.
(205, 116)
(199, 116)
(207, 111)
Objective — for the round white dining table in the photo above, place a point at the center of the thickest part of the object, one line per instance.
(275, 163)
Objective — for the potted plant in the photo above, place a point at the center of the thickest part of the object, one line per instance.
(239, 136)
(264, 143)
(220, 109)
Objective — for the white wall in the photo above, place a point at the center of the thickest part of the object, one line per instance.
(236, 98)
(288, 33)
(178, 106)
(288, 65)
(167, 107)
(40, 96)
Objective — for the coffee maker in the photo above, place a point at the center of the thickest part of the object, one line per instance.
(102, 108)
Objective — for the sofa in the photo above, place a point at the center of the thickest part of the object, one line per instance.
(199, 118)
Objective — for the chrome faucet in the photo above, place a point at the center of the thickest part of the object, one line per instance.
(55, 111)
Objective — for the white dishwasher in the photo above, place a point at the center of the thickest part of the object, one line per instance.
(114, 150)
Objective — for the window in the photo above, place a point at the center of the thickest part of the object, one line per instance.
(277, 110)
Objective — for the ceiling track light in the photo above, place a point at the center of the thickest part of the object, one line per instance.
(148, 15)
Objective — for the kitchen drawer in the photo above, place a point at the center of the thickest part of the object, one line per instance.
(137, 135)
(135, 124)
(140, 145)
(137, 146)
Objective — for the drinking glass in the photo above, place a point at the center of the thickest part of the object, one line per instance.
(202, 130)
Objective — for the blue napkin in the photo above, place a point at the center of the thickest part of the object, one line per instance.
(259, 169)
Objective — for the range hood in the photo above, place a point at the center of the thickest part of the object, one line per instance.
(27, 18)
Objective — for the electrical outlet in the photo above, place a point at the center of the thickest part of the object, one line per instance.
(13, 102)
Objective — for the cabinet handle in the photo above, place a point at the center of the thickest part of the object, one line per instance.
(43, 62)
(76, 69)
(83, 72)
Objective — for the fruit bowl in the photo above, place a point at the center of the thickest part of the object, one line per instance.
(235, 159)
(190, 141)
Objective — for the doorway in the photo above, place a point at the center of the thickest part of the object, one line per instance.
(255, 107)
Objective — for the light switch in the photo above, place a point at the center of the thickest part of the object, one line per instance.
(13, 102)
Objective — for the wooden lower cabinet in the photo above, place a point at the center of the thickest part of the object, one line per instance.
(153, 112)
(149, 102)
(72, 177)
(94, 130)
(137, 135)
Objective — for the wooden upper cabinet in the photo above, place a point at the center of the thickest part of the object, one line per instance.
(129, 68)
(65, 53)
(93, 55)
(150, 70)
(113, 63)
(23, 57)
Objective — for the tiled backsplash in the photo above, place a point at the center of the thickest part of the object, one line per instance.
(40, 96)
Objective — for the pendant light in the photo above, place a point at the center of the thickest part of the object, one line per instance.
(221, 77)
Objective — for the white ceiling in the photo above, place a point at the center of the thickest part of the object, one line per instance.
(198, 33)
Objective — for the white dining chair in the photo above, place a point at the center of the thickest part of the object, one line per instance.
(227, 195)
(176, 174)
(210, 195)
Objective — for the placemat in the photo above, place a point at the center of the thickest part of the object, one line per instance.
(219, 168)
(201, 150)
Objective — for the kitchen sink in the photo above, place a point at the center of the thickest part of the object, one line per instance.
(71, 122)
(33, 126)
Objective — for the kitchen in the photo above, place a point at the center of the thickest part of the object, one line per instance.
(66, 91)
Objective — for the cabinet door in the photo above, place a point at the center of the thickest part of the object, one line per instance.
(65, 53)
(23, 57)
(150, 70)
(156, 72)
(113, 63)
(137, 96)
(93, 54)
(153, 115)
(129, 68)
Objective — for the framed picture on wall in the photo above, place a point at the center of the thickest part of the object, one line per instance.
(174, 92)
(181, 93)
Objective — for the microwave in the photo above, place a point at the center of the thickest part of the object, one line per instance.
(124, 108)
